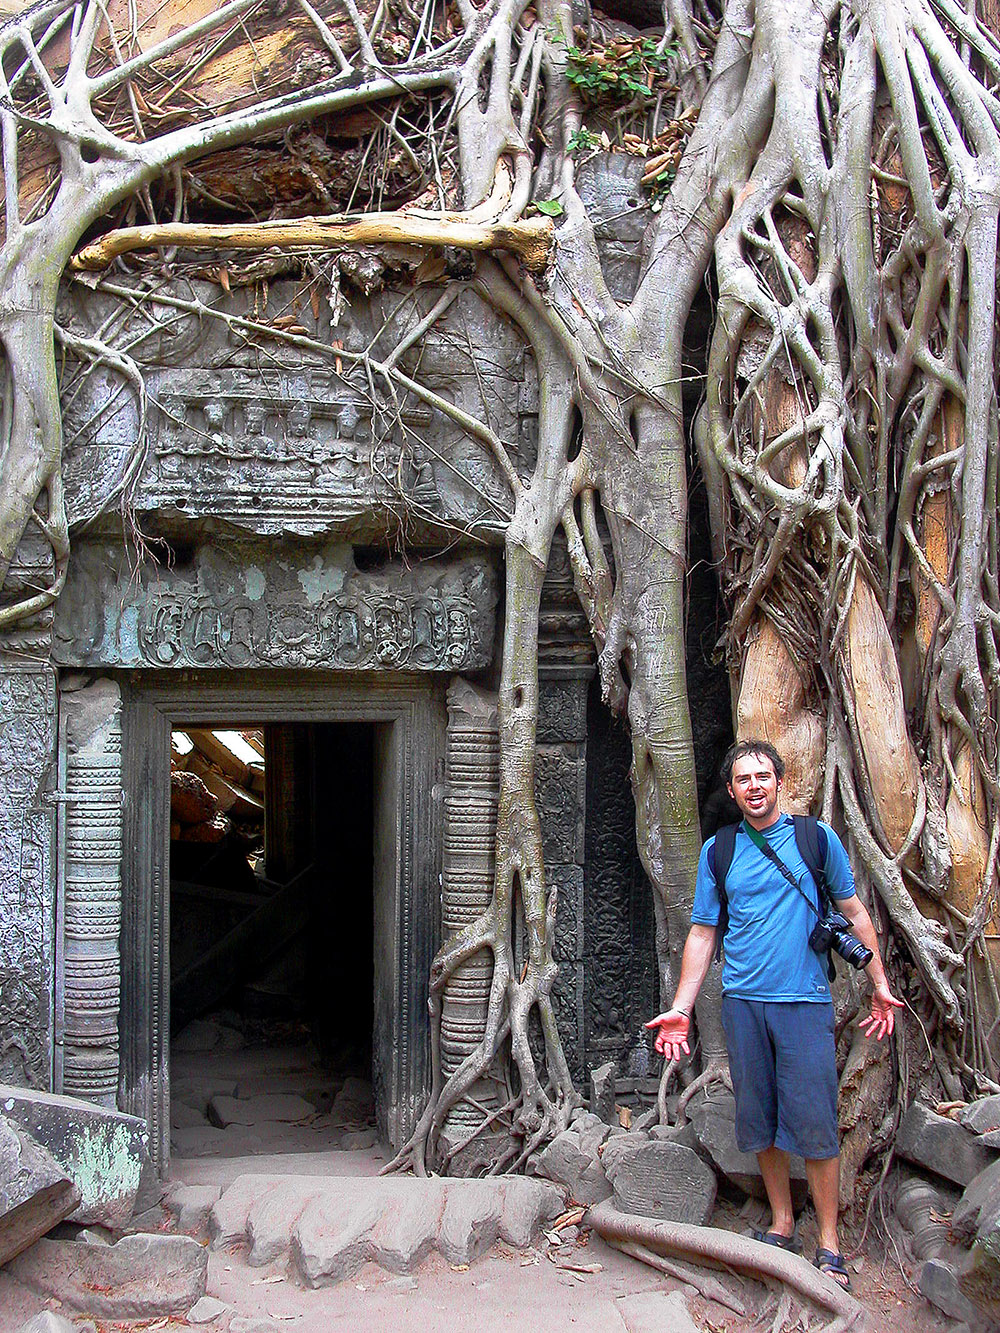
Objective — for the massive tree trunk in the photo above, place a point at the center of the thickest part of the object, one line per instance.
(832, 171)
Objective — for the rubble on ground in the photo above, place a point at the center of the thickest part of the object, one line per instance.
(141, 1276)
(35, 1191)
(942, 1145)
(956, 1235)
(103, 1152)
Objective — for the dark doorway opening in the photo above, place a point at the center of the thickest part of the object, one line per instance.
(272, 937)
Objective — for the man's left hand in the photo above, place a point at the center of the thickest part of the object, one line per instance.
(882, 1019)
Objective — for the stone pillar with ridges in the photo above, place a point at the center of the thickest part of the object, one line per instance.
(469, 861)
(92, 892)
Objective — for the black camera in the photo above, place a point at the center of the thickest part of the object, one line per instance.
(833, 931)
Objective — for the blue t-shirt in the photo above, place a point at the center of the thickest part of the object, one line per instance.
(767, 954)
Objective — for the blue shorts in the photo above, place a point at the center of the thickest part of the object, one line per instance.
(783, 1061)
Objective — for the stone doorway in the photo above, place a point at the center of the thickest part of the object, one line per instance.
(271, 921)
(391, 729)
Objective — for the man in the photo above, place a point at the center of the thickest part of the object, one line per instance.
(776, 1006)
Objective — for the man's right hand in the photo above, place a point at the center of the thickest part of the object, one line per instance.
(672, 1031)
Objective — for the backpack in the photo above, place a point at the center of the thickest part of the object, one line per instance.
(811, 842)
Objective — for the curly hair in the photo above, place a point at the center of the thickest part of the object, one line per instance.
(741, 749)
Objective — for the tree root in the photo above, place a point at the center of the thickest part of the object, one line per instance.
(706, 1286)
(725, 1249)
(716, 1072)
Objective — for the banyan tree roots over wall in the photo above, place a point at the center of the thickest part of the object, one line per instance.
(827, 175)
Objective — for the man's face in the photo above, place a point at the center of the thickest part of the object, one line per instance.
(754, 787)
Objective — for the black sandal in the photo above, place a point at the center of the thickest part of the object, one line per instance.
(833, 1265)
(776, 1239)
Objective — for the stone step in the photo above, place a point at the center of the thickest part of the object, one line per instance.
(327, 1228)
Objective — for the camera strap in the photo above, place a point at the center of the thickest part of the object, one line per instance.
(760, 842)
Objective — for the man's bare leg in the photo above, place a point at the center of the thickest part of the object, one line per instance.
(773, 1163)
(824, 1185)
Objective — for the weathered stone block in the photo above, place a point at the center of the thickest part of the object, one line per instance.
(979, 1276)
(593, 1131)
(101, 1151)
(141, 1277)
(469, 1222)
(662, 1180)
(191, 1205)
(206, 1310)
(286, 1108)
(35, 1192)
(526, 1205)
(655, 1312)
(979, 1207)
(47, 1321)
(941, 1145)
(982, 1116)
(602, 1092)
(714, 1122)
(358, 1140)
(939, 1283)
(579, 1172)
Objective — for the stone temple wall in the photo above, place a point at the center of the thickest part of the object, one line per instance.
(268, 512)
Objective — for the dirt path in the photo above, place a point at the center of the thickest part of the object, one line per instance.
(505, 1289)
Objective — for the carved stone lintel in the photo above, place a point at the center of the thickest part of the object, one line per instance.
(92, 894)
(27, 886)
(300, 607)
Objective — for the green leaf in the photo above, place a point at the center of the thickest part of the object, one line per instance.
(552, 207)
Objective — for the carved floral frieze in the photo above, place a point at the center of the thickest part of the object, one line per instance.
(300, 608)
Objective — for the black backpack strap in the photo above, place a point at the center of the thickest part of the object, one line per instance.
(720, 856)
(811, 842)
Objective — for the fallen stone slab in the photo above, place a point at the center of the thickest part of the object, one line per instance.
(210, 1141)
(979, 1277)
(284, 1107)
(358, 1140)
(662, 1180)
(655, 1312)
(713, 1119)
(35, 1192)
(978, 1210)
(191, 1206)
(941, 1145)
(47, 1322)
(982, 1116)
(354, 1103)
(602, 1092)
(183, 1116)
(141, 1277)
(330, 1226)
(573, 1162)
(938, 1282)
(206, 1311)
(103, 1152)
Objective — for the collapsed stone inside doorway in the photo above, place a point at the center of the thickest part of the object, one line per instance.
(271, 938)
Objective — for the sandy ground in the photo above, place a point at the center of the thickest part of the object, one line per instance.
(505, 1289)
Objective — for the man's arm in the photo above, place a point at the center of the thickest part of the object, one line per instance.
(882, 1018)
(674, 1026)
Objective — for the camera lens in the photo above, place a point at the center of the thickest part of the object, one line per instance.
(850, 949)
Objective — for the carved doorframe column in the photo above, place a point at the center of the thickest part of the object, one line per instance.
(410, 720)
(88, 969)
